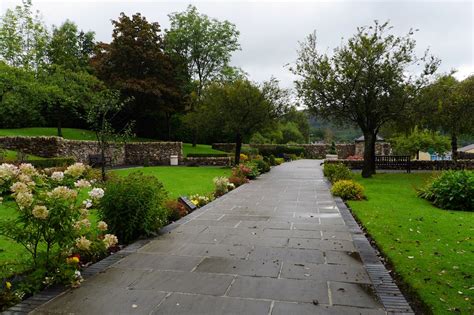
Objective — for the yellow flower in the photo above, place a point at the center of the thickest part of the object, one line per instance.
(8, 285)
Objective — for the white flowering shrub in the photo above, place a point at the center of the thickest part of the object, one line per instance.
(221, 185)
(53, 224)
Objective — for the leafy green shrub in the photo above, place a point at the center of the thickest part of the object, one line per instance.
(253, 170)
(249, 151)
(279, 161)
(262, 166)
(335, 172)
(348, 190)
(270, 159)
(176, 210)
(52, 162)
(134, 206)
(452, 190)
(207, 155)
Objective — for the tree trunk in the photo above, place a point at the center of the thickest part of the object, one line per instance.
(102, 166)
(454, 147)
(60, 131)
(368, 168)
(238, 148)
(418, 154)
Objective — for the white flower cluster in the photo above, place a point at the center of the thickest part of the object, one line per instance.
(24, 199)
(83, 243)
(28, 169)
(63, 192)
(82, 223)
(76, 170)
(8, 172)
(96, 193)
(82, 183)
(110, 240)
(19, 187)
(57, 176)
(102, 226)
(87, 203)
(40, 212)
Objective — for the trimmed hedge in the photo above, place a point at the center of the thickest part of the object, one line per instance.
(207, 155)
(280, 150)
(51, 162)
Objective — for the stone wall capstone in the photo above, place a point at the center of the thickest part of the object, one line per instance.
(134, 153)
(414, 165)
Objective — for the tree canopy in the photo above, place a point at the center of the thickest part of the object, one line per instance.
(364, 81)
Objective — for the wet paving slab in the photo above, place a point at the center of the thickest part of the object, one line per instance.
(277, 245)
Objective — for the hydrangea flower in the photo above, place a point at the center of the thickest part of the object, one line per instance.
(96, 193)
(40, 212)
(19, 187)
(82, 183)
(24, 199)
(57, 176)
(63, 192)
(110, 240)
(82, 223)
(83, 243)
(28, 169)
(75, 170)
(102, 226)
(87, 203)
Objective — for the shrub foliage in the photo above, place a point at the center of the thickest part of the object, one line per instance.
(348, 190)
(134, 206)
(336, 172)
(452, 190)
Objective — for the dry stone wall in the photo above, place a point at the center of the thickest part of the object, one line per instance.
(134, 153)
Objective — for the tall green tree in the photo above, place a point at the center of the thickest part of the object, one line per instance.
(23, 37)
(206, 44)
(448, 105)
(421, 140)
(135, 63)
(70, 48)
(364, 81)
(240, 108)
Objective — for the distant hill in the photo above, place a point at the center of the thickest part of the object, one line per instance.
(323, 130)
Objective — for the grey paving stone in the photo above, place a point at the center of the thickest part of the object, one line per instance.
(158, 262)
(350, 294)
(287, 254)
(251, 240)
(262, 268)
(115, 277)
(218, 250)
(343, 258)
(324, 272)
(280, 289)
(186, 282)
(281, 308)
(309, 243)
(320, 227)
(208, 305)
(212, 223)
(346, 236)
(162, 246)
(103, 300)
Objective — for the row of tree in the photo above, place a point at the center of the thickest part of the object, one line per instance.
(167, 82)
(368, 81)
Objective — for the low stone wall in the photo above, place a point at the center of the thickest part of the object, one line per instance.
(134, 153)
(381, 148)
(208, 161)
(415, 165)
(312, 151)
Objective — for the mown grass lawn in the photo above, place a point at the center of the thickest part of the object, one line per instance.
(431, 249)
(12, 156)
(68, 133)
(182, 180)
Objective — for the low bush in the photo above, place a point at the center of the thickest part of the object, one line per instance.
(348, 190)
(249, 151)
(134, 206)
(176, 210)
(243, 158)
(207, 155)
(453, 190)
(52, 162)
(238, 181)
(336, 172)
(279, 161)
(253, 170)
(221, 185)
(262, 166)
(200, 200)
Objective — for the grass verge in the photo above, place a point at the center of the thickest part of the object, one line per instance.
(431, 249)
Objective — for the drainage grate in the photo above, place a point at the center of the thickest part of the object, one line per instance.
(386, 289)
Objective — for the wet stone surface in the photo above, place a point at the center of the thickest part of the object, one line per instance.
(277, 245)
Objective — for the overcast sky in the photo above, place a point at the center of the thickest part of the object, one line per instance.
(270, 30)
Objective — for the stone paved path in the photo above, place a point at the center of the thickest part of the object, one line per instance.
(275, 246)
